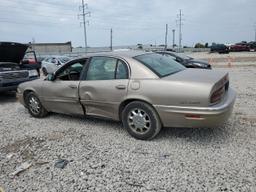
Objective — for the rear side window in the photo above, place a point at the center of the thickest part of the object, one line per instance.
(101, 68)
(106, 68)
(121, 70)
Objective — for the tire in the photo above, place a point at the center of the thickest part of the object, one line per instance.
(44, 72)
(141, 120)
(35, 108)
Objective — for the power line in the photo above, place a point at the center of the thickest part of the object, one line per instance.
(28, 22)
(27, 11)
(35, 4)
(85, 13)
(38, 15)
(57, 24)
(255, 31)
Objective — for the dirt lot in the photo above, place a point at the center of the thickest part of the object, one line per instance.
(103, 157)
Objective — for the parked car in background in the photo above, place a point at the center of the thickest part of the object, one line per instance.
(240, 47)
(185, 60)
(30, 57)
(52, 63)
(252, 45)
(144, 90)
(14, 69)
(219, 48)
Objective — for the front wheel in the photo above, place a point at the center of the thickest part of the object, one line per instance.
(141, 120)
(34, 106)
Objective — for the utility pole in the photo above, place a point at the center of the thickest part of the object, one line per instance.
(33, 44)
(166, 36)
(173, 38)
(255, 31)
(111, 39)
(180, 19)
(84, 13)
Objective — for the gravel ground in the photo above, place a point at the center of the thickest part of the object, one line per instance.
(103, 157)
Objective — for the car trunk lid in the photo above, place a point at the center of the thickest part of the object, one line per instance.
(197, 76)
(217, 81)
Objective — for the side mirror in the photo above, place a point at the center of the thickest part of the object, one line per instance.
(50, 77)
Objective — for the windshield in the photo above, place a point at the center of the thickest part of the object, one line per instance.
(162, 65)
(64, 59)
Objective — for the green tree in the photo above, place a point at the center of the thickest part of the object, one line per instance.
(199, 45)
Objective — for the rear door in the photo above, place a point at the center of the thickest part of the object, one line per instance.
(104, 86)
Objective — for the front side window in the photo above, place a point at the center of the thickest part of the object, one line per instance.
(162, 65)
(71, 72)
(106, 68)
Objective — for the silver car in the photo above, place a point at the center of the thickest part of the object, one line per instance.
(144, 90)
(52, 63)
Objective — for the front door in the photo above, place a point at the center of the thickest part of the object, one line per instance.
(61, 95)
(104, 86)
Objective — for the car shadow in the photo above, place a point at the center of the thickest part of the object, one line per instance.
(196, 135)
(9, 96)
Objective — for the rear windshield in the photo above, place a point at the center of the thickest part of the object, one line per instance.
(162, 65)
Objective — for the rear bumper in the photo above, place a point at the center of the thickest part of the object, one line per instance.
(213, 116)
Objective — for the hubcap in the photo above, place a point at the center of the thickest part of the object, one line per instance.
(34, 105)
(139, 121)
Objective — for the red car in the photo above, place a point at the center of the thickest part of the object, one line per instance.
(240, 47)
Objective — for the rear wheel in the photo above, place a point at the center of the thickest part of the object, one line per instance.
(34, 106)
(141, 120)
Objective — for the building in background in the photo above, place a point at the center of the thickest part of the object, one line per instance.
(51, 48)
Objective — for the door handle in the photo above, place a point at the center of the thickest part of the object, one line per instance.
(120, 86)
(73, 86)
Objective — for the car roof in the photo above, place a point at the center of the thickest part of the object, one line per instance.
(122, 54)
(57, 56)
(138, 68)
(169, 52)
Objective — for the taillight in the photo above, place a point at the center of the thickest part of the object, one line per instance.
(217, 95)
(219, 89)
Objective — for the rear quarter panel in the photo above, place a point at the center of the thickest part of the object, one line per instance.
(166, 92)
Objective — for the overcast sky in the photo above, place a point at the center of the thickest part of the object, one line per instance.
(133, 21)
